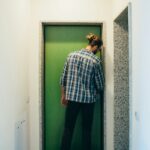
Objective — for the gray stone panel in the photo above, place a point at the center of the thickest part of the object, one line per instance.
(121, 82)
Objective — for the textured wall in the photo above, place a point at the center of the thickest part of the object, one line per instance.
(121, 82)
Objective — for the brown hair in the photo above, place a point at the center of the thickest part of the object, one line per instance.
(94, 40)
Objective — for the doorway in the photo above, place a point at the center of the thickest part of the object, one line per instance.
(59, 41)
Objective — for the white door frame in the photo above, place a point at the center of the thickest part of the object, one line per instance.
(41, 74)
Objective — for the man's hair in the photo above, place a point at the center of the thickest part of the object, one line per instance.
(94, 40)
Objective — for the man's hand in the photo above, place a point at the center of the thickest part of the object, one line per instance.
(63, 100)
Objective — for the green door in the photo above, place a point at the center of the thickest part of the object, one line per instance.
(59, 40)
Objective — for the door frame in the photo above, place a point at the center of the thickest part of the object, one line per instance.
(41, 74)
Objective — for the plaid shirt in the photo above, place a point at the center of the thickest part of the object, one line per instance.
(82, 77)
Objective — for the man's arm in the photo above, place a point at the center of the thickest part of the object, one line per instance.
(63, 99)
(99, 77)
(63, 81)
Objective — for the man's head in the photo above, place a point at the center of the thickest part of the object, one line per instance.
(95, 42)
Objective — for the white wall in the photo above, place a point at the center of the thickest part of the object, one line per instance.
(14, 48)
(118, 7)
(69, 11)
(139, 113)
(141, 74)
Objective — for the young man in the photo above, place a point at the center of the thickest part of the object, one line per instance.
(81, 81)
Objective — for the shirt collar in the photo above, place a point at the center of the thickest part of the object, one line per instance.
(85, 50)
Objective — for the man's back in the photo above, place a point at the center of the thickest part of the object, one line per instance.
(82, 77)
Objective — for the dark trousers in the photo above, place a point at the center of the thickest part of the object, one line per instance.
(72, 111)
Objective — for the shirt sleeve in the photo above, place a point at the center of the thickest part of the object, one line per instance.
(63, 78)
(99, 77)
